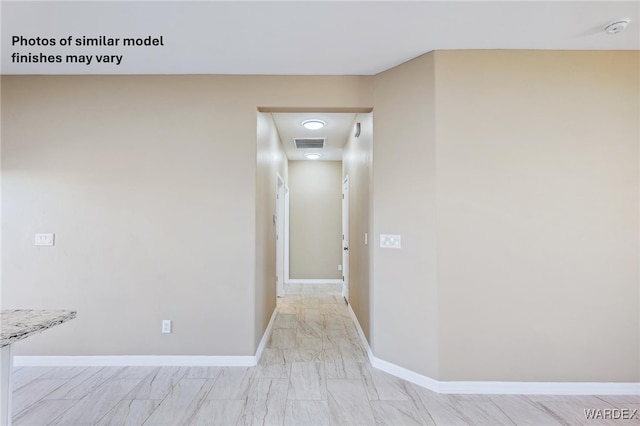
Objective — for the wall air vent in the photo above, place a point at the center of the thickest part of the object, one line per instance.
(309, 143)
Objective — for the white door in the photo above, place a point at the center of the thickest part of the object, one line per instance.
(345, 238)
(280, 236)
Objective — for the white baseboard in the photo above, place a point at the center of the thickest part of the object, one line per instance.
(541, 388)
(265, 336)
(135, 360)
(502, 388)
(314, 281)
(149, 360)
(365, 343)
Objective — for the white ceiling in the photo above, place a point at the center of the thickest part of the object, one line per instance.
(337, 130)
(300, 37)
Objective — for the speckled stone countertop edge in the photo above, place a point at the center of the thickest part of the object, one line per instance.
(18, 324)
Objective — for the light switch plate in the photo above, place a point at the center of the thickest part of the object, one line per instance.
(390, 241)
(44, 239)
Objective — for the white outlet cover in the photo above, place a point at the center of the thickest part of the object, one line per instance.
(166, 326)
(44, 239)
(390, 241)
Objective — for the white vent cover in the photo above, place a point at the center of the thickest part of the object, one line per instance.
(309, 143)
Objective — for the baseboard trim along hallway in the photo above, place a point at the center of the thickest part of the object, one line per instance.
(314, 281)
(496, 388)
(457, 387)
(149, 360)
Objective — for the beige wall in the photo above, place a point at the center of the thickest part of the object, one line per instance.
(513, 179)
(152, 188)
(149, 183)
(315, 219)
(404, 280)
(357, 164)
(538, 186)
(271, 162)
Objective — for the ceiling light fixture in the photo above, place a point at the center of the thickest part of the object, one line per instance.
(616, 26)
(312, 156)
(313, 124)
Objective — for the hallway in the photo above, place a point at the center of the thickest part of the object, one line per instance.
(314, 371)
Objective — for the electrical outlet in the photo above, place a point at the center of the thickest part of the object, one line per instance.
(166, 326)
(44, 239)
(390, 241)
(339, 267)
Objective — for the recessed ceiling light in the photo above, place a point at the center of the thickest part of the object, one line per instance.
(616, 26)
(312, 156)
(313, 124)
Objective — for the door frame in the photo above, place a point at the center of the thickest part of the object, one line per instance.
(281, 216)
(345, 238)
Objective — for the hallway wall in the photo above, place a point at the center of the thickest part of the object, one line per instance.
(149, 183)
(271, 162)
(404, 282)
(357, 164)
(315, 218)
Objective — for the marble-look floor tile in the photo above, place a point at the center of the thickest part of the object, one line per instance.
(37, 390)
(266, 402)
(523, 411)
(63, 372)
(129, 413)
(285, 321)
(393, 413)
(84, 383)
(331, 321)
(307, 413)
(348, 403)
(305, 355)
(307, 381)
(308, 342)
(232, 383)
(42, 412)
(416, 400)
(309, 330)
(440, 408)
(272, 371)
(616, 400)
(213, 412)
(272, 356)
(159, 384)
(388, 387)
(92, 407)
(483, 413)
(135, 372)
(202, 372)
(570, 414)
(320, 356)
(282, 338)
(182, 404)
(26, 375)
(367, 381)
(342, 369)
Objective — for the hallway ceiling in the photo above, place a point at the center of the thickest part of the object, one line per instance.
(337, 130)
(321, 37)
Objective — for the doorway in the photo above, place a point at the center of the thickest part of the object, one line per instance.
(282, 237)
(345, 238)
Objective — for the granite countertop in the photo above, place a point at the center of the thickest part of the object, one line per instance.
(19, 324)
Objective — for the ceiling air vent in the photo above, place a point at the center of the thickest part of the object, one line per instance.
(309, 143)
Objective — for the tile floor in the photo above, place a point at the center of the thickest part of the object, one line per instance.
(314, 371)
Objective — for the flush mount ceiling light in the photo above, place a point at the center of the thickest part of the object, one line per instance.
(616, 26)
(312, 156)
(313, 124)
